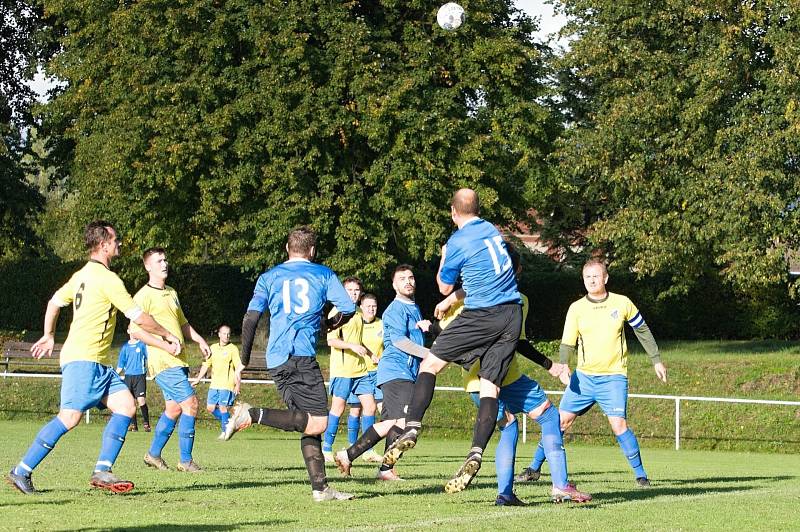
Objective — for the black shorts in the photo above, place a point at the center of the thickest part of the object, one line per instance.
(396, 398)
(487, 334)
(300, 383)
(137, 384)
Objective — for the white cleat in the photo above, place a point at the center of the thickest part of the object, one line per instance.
(330, 494)
(240, 420)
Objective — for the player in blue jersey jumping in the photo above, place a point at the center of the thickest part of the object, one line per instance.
(294, 293)
(487, 330)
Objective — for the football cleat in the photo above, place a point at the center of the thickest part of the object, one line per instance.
(465, 474)
(22, 483)
(508, 500)
(372, 457)
(156, 462)
(342, 462)
(404, 442)
(240, 420)
(528, 475)
(330, 494)
(147, 427)
(106, 480)
(569, 493)
(389, 475)
(189, 467)
(643, 482)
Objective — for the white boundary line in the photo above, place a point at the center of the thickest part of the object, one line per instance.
(676, 398)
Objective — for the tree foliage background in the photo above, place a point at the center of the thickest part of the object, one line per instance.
(682, 151)
(20, 54)
(213, 127)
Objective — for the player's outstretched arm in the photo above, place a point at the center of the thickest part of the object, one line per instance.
(202, 373)
(337, 320)
(153, 334)
(44, 346)
(249, 326)
(188, 331)
(661, 371)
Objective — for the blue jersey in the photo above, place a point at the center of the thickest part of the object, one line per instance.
(133, 358)
(399, 319)
(295, 292)
(477, 251)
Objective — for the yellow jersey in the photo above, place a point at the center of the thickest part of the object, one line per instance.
(472, 383)
(372, 339)
(597, 329)
(164, 306)
(347, 363)
(223, 363)
(95, 293)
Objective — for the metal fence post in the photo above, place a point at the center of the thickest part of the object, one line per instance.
(677, 423)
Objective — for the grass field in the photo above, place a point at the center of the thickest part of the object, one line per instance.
(257, 481)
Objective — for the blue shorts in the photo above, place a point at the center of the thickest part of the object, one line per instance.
(344, 386)
(609, 391)
(85, 383)
(352, 399)
(523, 395)
(220, 397)
(174, 384)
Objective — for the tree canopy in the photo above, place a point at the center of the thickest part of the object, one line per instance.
(682, 150)
(212, 128)
(20, 53)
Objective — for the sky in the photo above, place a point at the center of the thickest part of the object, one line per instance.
(549, 23)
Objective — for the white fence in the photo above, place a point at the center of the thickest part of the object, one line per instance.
(676, 398)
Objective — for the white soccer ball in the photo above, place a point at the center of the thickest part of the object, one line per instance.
(450, 16)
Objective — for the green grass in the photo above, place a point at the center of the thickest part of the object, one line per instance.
(257, 481)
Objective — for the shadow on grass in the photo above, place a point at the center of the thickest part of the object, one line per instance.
(169, 527)
(712, 480)
(601, 499)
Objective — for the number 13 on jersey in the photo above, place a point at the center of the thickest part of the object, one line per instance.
(295, 290)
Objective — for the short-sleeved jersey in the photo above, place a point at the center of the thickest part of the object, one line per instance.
(596, 327)
(477, 252)
(95, 293)
(372, 339)
(347, 363)
(400, 320)
(223, 363)
(164, 306)
(295, 292)
(133, 358)
(472, 383)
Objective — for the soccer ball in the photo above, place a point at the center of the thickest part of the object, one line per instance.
(450, 16)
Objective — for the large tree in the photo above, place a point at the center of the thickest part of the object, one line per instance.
(682, 152)
(213, 127)
(19, 55)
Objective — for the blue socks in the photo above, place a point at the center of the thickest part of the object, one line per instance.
(161, 434)
(630, 448)
(223, 419)
(366, 423)
(330, 433)
(504, 458)
(186, 437)
(45, 440)
(538, 457)
(353, 425)
(113, 438)
(553, 446)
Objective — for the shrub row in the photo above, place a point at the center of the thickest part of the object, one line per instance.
(213, 294)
